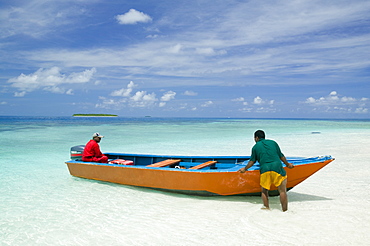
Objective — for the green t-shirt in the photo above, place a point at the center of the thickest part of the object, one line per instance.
(268, 154)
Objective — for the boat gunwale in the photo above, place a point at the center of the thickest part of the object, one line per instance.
(235, 168)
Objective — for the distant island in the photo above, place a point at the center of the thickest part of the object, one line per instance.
(94, 115)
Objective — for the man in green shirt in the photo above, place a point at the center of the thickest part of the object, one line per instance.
(268, 154)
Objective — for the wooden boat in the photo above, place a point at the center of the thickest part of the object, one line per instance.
(197, 175)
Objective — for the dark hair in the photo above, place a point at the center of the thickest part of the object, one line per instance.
(260, 134)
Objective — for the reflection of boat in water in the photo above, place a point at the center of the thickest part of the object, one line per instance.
(198, 175)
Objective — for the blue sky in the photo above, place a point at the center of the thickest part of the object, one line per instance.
(206, 58)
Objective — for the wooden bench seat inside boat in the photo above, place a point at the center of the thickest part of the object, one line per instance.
(203, 165)
(164, 163)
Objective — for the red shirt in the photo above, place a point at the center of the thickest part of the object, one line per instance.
(92, 149)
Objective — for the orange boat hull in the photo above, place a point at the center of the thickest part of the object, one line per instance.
(189, 182)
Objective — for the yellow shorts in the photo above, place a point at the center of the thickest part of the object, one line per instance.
(271, 177)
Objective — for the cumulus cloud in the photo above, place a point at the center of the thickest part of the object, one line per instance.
(337, 103)
(140, 99)
(239, 99)
(124, 92)
(133, 17)
(168, 96)
(49, 80)
(361, 110)
(143, 96)
(259, 101)
(190, 93)
(258, 105)
(135, 99)
(265, 110)
(109, 103)
(207, 104)
(334, 99)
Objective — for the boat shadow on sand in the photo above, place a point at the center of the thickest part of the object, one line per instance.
(301, 197)
(292, 196)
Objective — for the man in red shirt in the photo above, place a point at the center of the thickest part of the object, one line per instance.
(92, 151)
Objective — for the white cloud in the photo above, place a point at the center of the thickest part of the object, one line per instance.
(108, 103)
(205, 51)
(54, 89)
(37, 18)
(138, 96)
(124, 92)
(265, 110)
(3, 103)
(334, 99)
(361, 110)
(168, 96)
(19, 94)
(239, 99)
(258, 105)
(209, 51)
(49, 80)
(81, 77)
(150, 97)
(337, 103)
(190, 93)
(175, 49)
(310, 100)
(133, 17)
(138, 99)
(207, 104)
(246, 110)
(142, 99)
(259, 101)
(348, 99)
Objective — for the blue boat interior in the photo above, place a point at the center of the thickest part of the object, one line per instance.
(186, 162)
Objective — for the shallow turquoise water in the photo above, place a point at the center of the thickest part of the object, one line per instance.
(41, 204)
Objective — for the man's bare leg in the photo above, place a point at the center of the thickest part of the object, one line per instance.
(283, 195)
(265, 197)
